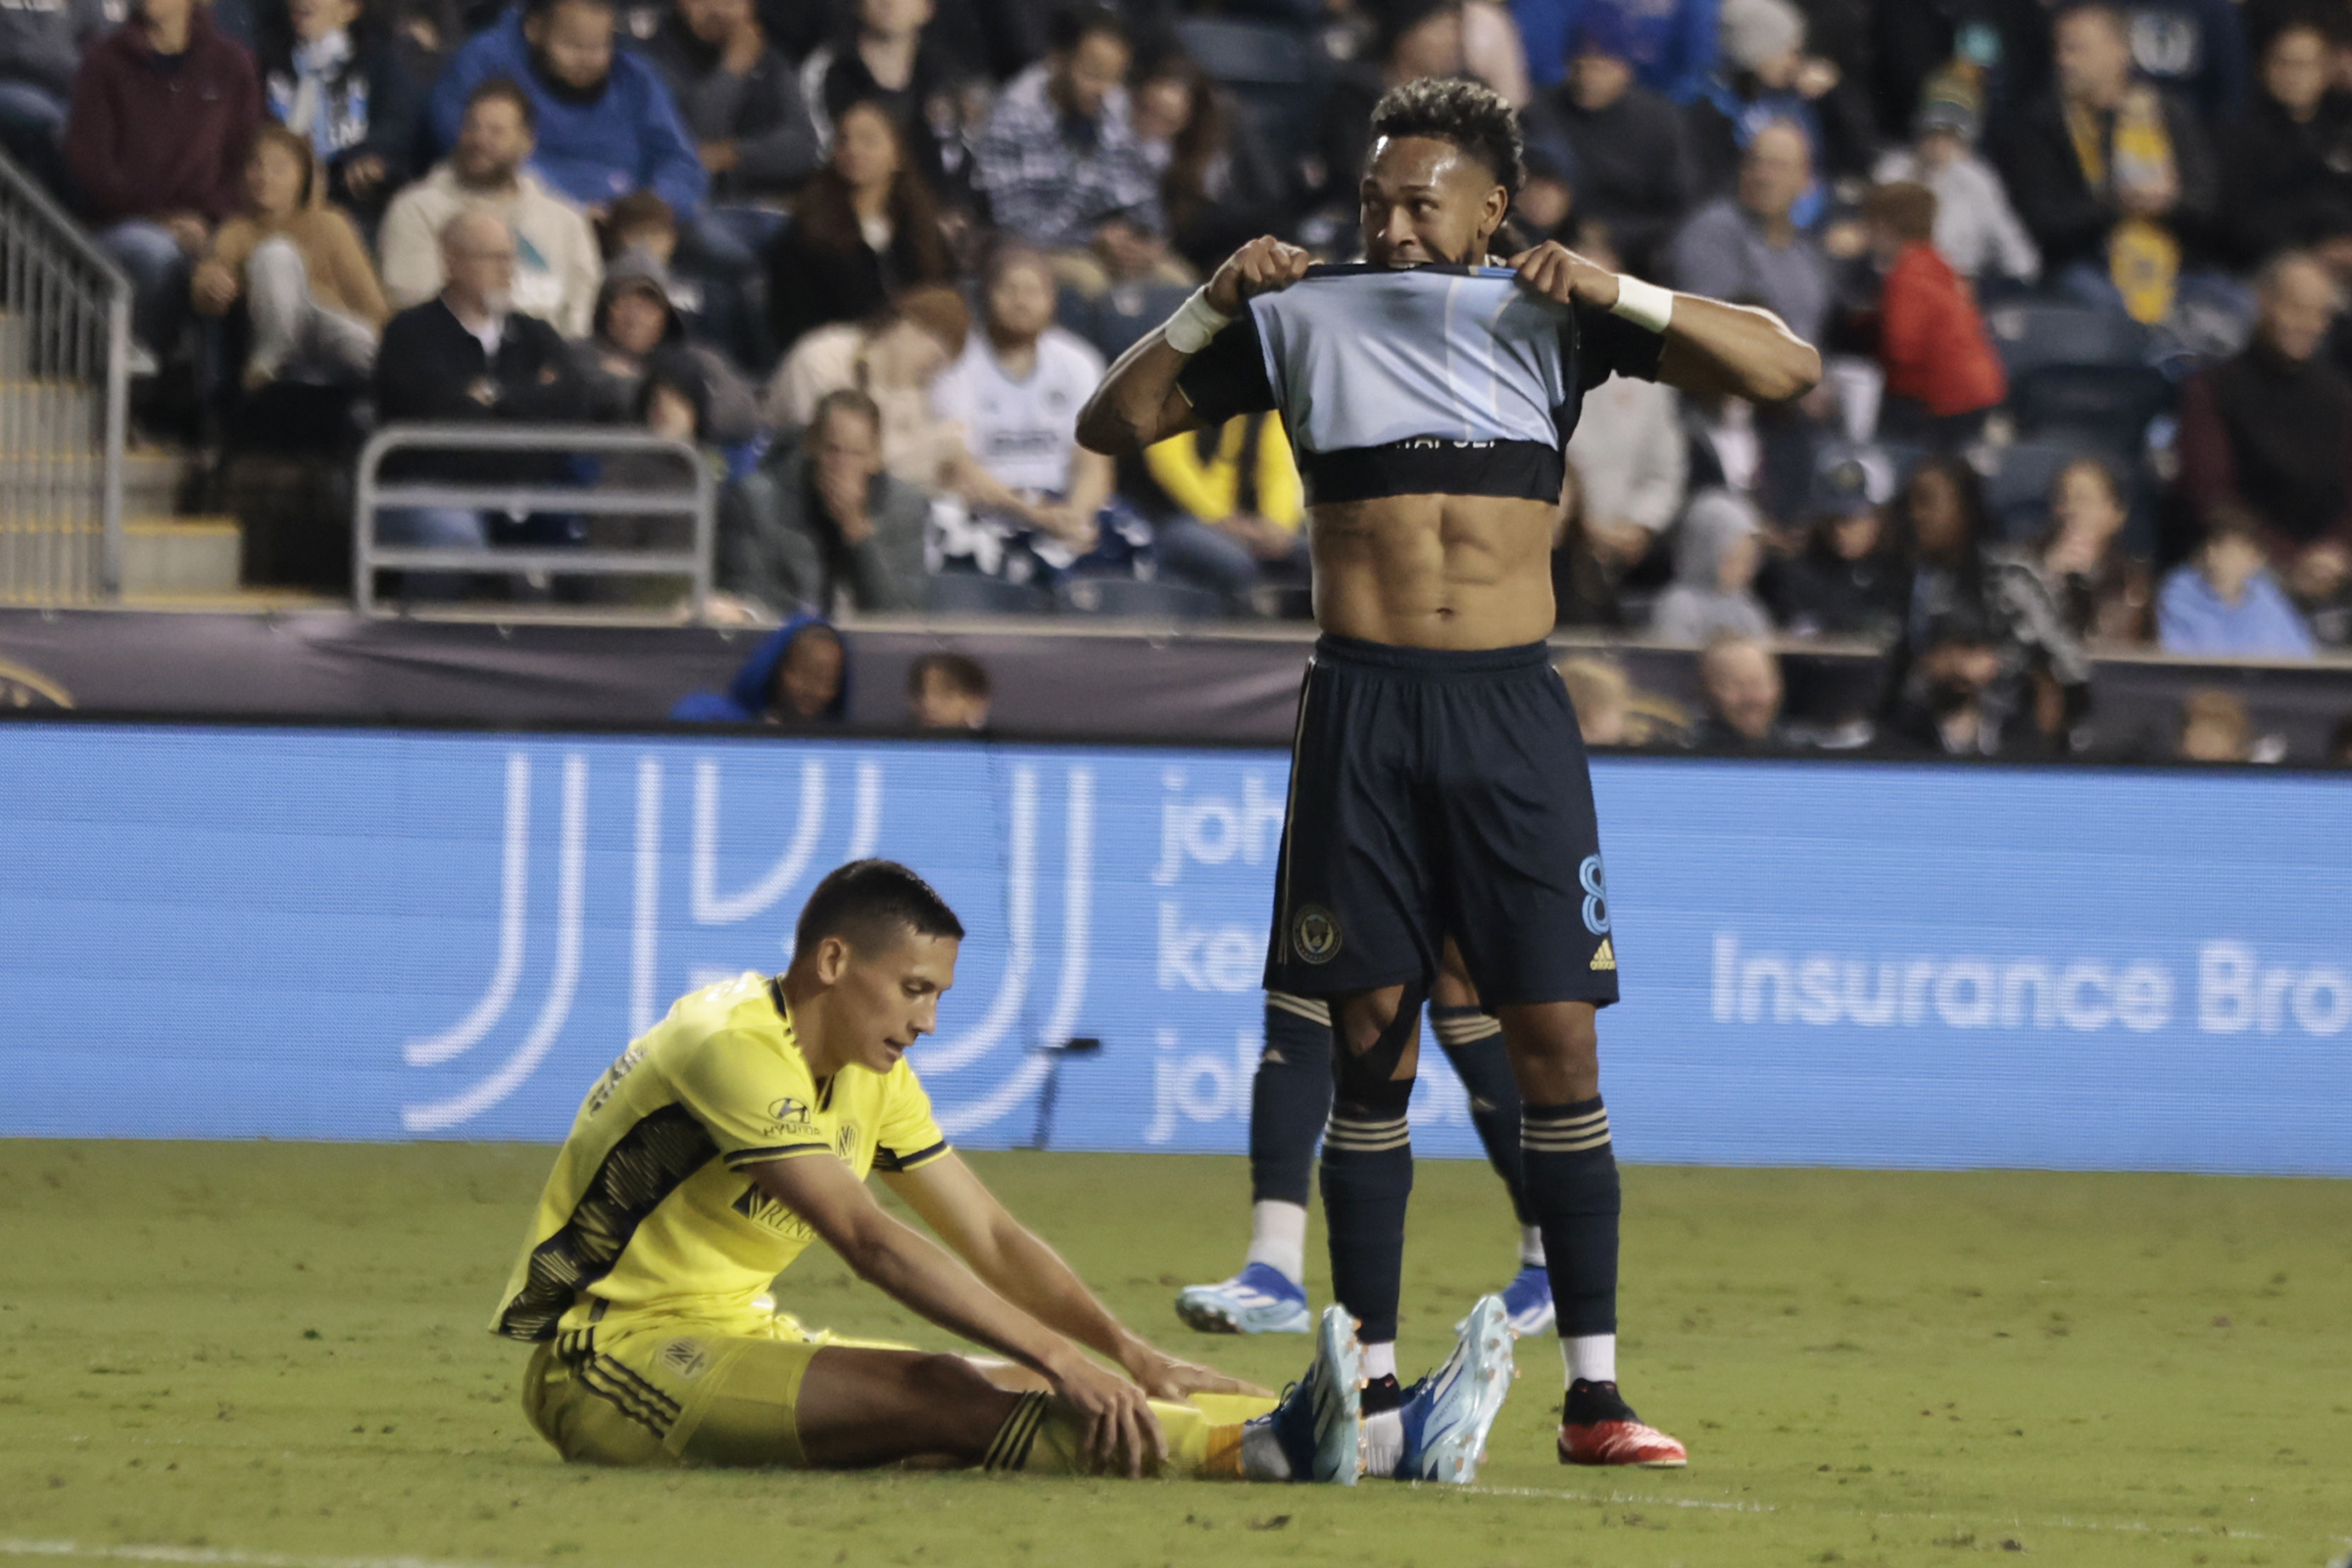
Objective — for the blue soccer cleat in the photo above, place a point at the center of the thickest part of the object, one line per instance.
(1526, 1300)
(1320, 1422)
(1451, 1412)
(1256, 1300)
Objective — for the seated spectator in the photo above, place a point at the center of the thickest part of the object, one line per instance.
(636, 319)
(2289, 154)
(895, 53)
(1631, 456)
(1038, 505)
(332, 73)
(1240, 508)
(1220, 187)
(1942, 375)
(864, 228)
(1748, 248)
(1940, 514)
(1060, 165)
(42, 46)
(164, 112)
(2114, 178)
(1672, 45)
(1977, 230)
(673, 400)
(605, 122)
(1416, 38)
(1583, 591)
(2196, 49)
(1622, 140)
(1848, 580)
(2103, 590)
(1717, 552)
(2268, 435)
(823, 525)
(558, 267)
(796, 678)
(741, 103)
(947, 691)
(1739, 684)
(1764, 77)
(1599, 692)
(896, 357)
(2224, 602)
(312, 305)
(1492, 53)
(2214, 728)
(1950, 699)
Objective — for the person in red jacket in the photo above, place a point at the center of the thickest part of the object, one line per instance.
(1942, 375)
(165, 107)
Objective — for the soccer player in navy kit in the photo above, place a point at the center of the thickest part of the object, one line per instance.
(1439, 782)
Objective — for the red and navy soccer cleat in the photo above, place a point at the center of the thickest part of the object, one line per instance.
(1602, 1429)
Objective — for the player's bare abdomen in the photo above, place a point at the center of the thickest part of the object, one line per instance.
(1453, 572)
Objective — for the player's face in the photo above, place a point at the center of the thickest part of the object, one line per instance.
(884, 1001)
(1426, 200)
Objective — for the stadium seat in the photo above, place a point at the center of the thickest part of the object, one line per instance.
(2025, 471)
(1124, 596)
(2033, 334)
(2107, 406)
(967, 593)
(1275, 70)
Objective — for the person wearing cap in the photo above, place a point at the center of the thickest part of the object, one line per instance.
(1623, 140)
(1848, 581)
(1671, 43)
(1942, 375)
(1977, 230)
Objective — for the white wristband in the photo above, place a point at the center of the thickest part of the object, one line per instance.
(1645, 305)
(1195, 322)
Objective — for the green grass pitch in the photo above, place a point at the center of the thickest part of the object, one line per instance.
(275, 1354)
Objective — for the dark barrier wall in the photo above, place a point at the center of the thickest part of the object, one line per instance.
(232, 933)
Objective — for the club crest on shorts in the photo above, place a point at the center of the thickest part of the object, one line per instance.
(1315, 934)
(686, 1357)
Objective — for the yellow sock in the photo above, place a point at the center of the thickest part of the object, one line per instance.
(1044, 1437)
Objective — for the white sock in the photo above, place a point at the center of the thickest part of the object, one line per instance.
(1384, 1442)
(1591, 1356)
(1380, 1361)
(1262, 1459)
(1277, 1238)
(1531, 1246)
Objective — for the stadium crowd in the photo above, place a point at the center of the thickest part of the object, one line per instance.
(2080, 269)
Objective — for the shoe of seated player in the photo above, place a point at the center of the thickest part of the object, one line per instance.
(1526, 1300)
(1258, 1299)
(1448, 1414)
(1320, 1422)
(1602, 1429)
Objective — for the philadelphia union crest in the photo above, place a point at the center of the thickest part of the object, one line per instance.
(1315, 934)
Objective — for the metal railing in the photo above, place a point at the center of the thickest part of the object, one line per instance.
(373, 496)
(65, 400)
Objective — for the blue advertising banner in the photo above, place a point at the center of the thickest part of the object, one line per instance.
(298, 934)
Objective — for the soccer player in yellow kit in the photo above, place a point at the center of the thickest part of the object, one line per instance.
(740, 1129)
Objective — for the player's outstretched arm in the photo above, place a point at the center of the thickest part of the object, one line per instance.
(1020, 1266)
(1712, 349)
(1138, 405)
(1122, 1432)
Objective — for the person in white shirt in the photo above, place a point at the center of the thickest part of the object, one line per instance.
(1977, 230)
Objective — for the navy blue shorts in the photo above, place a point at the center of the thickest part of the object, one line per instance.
(1436, 795)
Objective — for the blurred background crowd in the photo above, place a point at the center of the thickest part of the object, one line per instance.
(2079, 271)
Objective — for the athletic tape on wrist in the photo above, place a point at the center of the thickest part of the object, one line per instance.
(1195, 322)
(1645, 305)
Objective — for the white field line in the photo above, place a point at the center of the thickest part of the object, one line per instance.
(207, 1556)
(2061, 1522)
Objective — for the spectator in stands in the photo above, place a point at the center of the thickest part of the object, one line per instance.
(741, 103)
(1623, 141)
(796, 678)
(2196, 49)
(1764, 77)
(1947, 701)
(1060, 163)
(864, 228)
(2225, 602)
(2104, 591)
(312, 305)
(41, 44)
(1631, 455)
(1039, 503)
(2114, 178)
(1739, 684)
(896, 357)
(1942, 375)
(822, 522)
(164, 111)
(557, 268)
(2269, 433)
(1717, 552)
(1218, 185)
(1416, 38)
(1583, 591)
(1599, 692)
(2289, 154)
(895, 53)
(1240, 508)
(2215, 728)
(1747, 246)
(606, 122)
(1672, 45)
(636, 320)
(332, 73)
(1977, 230)
(1848, 580)
(947, 691)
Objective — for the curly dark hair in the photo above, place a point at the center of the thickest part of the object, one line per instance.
(1468, 114)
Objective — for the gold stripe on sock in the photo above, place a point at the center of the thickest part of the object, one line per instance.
(1312, 1010)
(1462, 1030)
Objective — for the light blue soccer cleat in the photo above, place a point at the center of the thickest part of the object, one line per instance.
(1527, 1301)
(1452, 1411)
(1320, 1421)
(1256, 1300)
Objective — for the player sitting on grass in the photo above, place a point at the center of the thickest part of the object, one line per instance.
(742, 1127)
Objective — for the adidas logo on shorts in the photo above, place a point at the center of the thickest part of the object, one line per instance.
(1606, 958)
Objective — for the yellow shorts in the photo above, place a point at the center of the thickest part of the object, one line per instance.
(668, 1394)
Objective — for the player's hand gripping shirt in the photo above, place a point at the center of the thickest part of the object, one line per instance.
(650, 1211)
(1431, 380)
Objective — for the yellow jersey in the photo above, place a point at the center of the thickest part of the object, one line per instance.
(650, 1214)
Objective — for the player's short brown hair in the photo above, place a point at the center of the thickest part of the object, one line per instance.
(871, 904)
(1468, 114)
